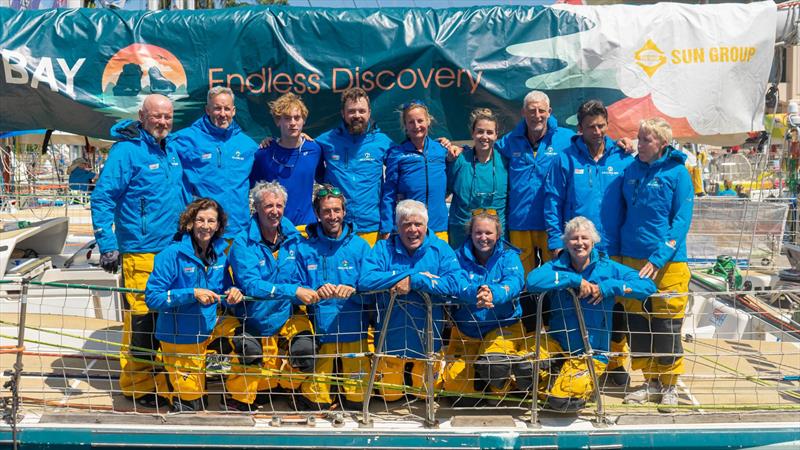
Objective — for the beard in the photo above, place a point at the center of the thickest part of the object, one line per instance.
(357, 127)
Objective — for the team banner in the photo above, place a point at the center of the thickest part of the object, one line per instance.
(703, 67)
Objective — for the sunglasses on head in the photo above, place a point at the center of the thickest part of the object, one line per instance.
(415, 102)
(326, 191)
(479, 211)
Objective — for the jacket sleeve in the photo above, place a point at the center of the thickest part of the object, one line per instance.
(452, 278)
(376, 274)
(680, 219)
(545, 278)
(111, 186)
(244, 262)
(389, 193)
(453, 168)
(626, 283)
(158, 295)
(555, 188)
(512, 281)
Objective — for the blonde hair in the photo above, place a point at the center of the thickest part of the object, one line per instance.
(413, 104)
(284, 105)
(658, 128)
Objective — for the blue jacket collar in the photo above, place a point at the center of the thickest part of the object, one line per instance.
(206, 126)
(466, 251)
(611, 147)
(372, 128)
(314, 232)
(130, 130)
(287, 228)
(186, 247)
(564, 262)
(670, 153)
(521, 130)
(401, 249)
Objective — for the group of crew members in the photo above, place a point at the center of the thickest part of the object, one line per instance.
(292, 290)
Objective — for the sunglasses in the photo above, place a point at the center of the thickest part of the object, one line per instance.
(479, 211)
(326, 191)
(415, 102)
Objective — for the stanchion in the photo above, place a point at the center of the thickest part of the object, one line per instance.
(588, 352)
(430, 419)
(366, 421)
(13, 383)
(537, 363)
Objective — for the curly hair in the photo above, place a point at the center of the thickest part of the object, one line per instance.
(284, 104)
(186, 221)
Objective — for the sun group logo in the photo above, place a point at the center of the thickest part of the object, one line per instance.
(139, 70)
(650, 58)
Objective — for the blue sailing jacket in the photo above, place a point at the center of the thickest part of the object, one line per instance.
(296, 169)
(217, 162)
(527, 171)
(272, 280)
(354, 164)
(614, 279)
(505, 277)
(659, 198)
(177, 271)
(322, 260)
(390, 262)
(417, 176)
(140, 194)
(580, 186)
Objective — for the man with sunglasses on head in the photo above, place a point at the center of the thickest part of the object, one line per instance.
(354, 154)
(217, 158)
(135, 208)
(329, 262)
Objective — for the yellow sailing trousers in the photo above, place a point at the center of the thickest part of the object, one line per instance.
(245, 382)
(573, 379)
(139, 348)
(533, 245)
(462, 351)
(354, 375)
(186, 363)
(655, 326)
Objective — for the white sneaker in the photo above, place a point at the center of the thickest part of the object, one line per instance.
(669, 399)
(650, 392)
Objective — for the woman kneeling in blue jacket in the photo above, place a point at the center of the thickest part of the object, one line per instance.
(488, 340)
(597, 280)
(185, 287)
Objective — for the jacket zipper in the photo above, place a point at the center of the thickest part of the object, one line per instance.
(219, 157)
(142, 203)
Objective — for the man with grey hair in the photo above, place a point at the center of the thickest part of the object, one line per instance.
(264, 263)
(217, 157)
(135, 208)
(531, 147)
(410, 263)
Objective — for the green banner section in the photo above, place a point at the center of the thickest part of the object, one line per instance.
(81, 70)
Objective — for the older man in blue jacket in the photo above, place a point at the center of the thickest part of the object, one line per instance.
(531, 147)
(135, 208)
(354, 154)
(217, 158)
(412, 262)
(264, 264)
